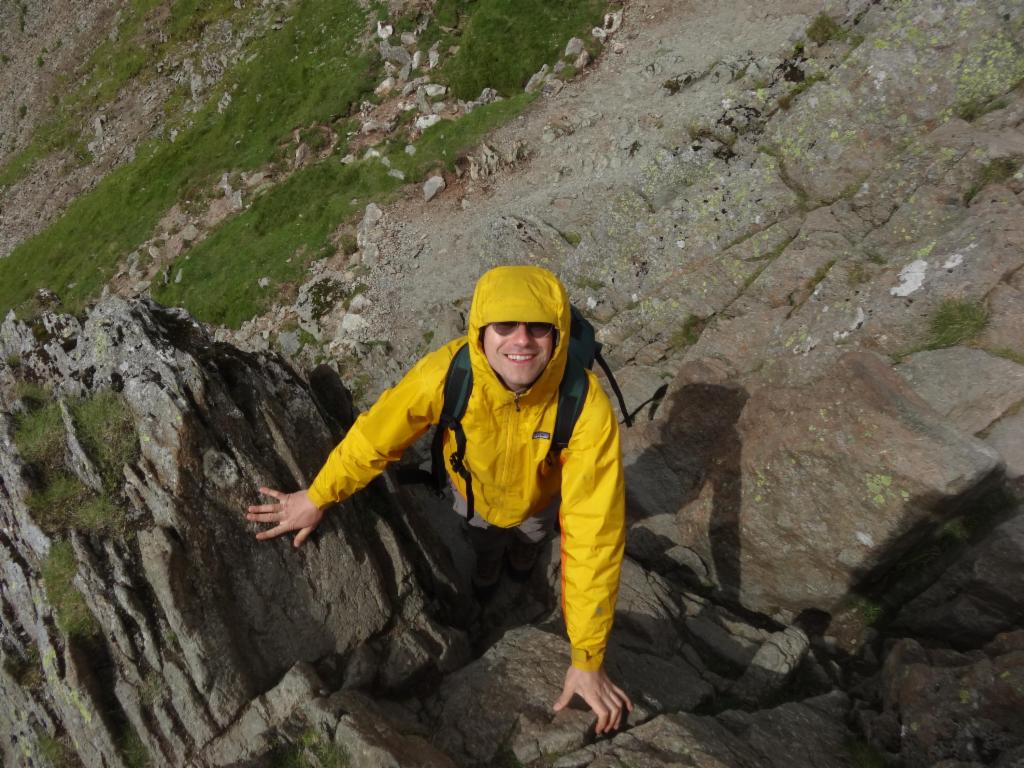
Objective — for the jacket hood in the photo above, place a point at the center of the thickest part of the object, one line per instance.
(527, 294)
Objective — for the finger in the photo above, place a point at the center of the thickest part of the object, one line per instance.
(616, 717)
(271, 492)
(563, 700)
(602, 718)
(273, 533)
(265, 517)
(264, 508)
(624, 697)
(301, 536)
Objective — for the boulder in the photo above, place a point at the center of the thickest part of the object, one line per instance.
(978, 596)
(953, 706)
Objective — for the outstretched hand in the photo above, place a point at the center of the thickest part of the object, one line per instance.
(601, 694)
(293, 512)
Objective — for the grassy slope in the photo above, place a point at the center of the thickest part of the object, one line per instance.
(310, 72)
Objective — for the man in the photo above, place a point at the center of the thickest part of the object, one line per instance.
(518, 341)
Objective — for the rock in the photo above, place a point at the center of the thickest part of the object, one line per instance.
(977, 597)
(955, 706)
(263, 282)
(433, 58)
(772, 666)
(970, 387)
(747, 482)
(582, 60)
(417, 59)
(809, 734)
(574, 48)
(435, 90)
(212, 424)
(521, 699)
(432, 186)
(618, 47)
(353, 323)
(386, 86)
(369, 229)
(397, 55)
(425, 121)
(537, 79)
(190, 233)
(408, 38)
(384, 31)
(612, 22)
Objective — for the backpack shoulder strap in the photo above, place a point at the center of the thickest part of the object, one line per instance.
(458, 384)
(572, 393)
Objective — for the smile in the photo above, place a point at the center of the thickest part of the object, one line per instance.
(520, 358)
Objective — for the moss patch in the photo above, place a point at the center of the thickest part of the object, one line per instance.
(73, 616)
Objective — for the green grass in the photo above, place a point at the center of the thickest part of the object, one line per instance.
(994, 172)
(26, 670)
(72, 614)
(107, 435)
(130, 55)
(310, 71)
(824, 28)
(1008, 354)
(503, 43)
(57, 752)
(134, 752)
(309, 74)
(955, 322)
(687, 334)
(292, 223)
(311, 751)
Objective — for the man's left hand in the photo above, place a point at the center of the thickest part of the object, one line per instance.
(601, 694)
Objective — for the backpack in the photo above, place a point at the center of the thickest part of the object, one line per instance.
(584, 349)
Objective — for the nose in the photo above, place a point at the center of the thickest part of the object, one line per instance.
(520, 335)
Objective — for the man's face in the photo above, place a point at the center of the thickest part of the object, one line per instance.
(518, 358)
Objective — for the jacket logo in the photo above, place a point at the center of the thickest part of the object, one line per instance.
(541, 435)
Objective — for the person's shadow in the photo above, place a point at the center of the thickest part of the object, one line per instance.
(694, 450)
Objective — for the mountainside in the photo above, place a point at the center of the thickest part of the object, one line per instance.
(798, 229)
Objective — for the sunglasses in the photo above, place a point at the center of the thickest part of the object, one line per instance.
(536, 330)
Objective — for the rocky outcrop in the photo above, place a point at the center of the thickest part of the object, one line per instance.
(192, 617)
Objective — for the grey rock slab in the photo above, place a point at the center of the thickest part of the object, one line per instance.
(970, 387)
(478, 707)
(978, 596)
(914, 79)
(1005, 329)
(808, 734)
(835, 478)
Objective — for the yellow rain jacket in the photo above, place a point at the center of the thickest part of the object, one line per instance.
(507, 442)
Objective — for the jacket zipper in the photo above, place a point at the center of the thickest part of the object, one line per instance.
(511, 429)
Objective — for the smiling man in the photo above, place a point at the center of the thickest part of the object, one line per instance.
(518, 346)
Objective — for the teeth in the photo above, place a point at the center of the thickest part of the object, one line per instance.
(520, 358)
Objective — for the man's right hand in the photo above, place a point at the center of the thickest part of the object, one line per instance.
(293, 512)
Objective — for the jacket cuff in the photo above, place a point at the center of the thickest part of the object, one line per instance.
(588, 661)
(317, 498)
